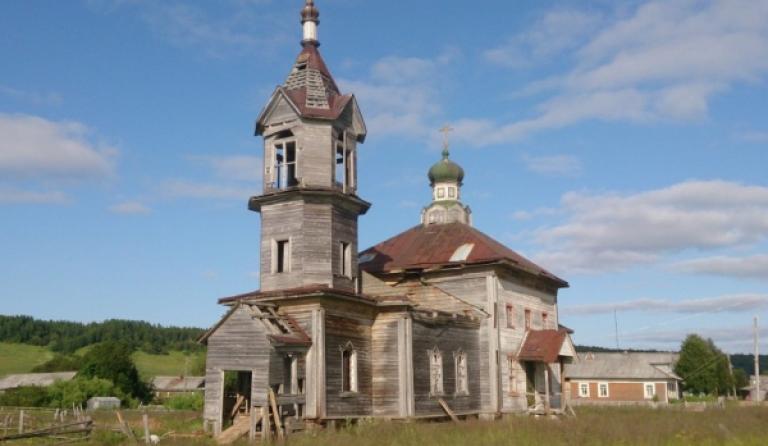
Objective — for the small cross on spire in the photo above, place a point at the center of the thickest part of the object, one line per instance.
(446, 130)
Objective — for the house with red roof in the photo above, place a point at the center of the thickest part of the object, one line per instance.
(438, 321)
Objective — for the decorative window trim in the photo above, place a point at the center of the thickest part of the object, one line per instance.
(583, 388)
(353, 372)
(607, 388)
(436, 376)
(527, 320)
(461, 385)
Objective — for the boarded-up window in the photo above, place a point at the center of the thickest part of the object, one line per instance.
(527, 319)
(510, 316)
(435, 372)
(514, 376)
(345, 260)
(348, 370)
(462, 383)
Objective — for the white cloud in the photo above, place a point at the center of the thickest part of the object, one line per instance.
(557, 165)
(665, 60)
(557, 31)
(130, 208)
(193, 189)
(401, 94)
(235, 167)
(754, 137)
(755, 266)
(33, 97)
(35, 147)
(17, 196)
(606, 232)
(720, 304)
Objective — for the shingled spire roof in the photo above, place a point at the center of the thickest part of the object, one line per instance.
(310, 87)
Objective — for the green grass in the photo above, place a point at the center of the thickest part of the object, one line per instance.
(171, 364)
(21, 358)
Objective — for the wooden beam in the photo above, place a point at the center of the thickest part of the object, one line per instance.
(275, 414)
(448, 410)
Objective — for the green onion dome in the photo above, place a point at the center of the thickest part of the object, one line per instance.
(445, 171)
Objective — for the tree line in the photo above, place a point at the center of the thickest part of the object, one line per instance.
(67, 337)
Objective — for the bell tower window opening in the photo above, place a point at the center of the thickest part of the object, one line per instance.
(285, 165)
(344, 164)
(282, 256)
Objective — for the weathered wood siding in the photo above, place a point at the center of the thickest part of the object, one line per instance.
(345, 323)
(239, 344)
(513, 292)
(449, 340)
(386, 367)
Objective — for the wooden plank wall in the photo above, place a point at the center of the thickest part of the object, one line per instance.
(386, 365)
(239, 344)
(348, 323)
(448, 339)
(282, 221)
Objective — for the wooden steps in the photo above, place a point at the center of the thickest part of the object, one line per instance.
(238, 430)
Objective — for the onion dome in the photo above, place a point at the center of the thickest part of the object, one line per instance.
(310, 13)
(445, 171)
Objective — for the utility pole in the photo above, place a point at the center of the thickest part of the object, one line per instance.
(757, 364)
(616, 328)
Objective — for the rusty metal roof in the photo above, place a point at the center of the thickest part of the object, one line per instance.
(542, 345)
(432, 246)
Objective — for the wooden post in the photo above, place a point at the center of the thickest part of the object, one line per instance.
(546, 389)
(266, 428)
(276, 414)
(252, 429)
(145, 421)
(21, 421)
(448, 410)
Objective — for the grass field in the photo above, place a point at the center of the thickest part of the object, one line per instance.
(743, 426)
(21, 358)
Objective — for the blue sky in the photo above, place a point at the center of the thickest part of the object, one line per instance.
(622, 145)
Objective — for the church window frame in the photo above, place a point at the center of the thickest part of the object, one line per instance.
(440, 193)
(527, 319)
(462, 372)
(436, 387)
(285, 163)
(349, 369)
(451, 192)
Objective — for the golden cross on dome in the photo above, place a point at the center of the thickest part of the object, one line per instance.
(446, 130)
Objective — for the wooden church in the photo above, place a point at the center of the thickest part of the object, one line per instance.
(440, 320)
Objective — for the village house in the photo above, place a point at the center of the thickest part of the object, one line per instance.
(438, 320)
(750, 392)
(622, 378)
(169, 386)
(15, 381)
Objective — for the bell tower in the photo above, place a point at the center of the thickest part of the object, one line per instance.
(309, 206)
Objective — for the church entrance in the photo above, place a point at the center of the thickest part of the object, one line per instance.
(236, 402)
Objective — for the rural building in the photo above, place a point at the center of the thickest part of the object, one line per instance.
(168, 386)
(103, 403)
(33, 379)
(622, 378)
(439, 319)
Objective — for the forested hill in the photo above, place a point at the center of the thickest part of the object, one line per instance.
(67, 337)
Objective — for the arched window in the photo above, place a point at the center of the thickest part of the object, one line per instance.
(435, 371)
(462, 383)
(348, 368)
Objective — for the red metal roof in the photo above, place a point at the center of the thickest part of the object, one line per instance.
(432, 246)
(542, 345)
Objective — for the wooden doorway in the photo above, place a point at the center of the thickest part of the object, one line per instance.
(237, 396)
